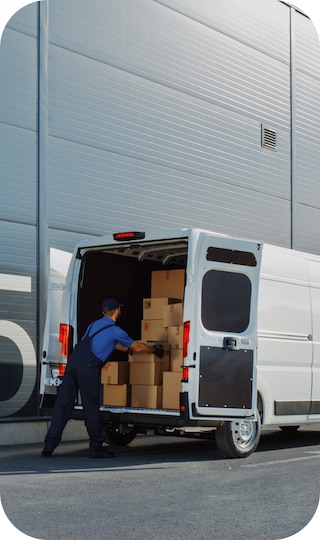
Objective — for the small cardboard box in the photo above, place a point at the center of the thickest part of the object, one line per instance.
(153, 330)
(175, 337)
(147, 373)
(168, 283)
(173, 315)
(171, 390)
(146, 396)
(115, 373)
(116, 395)
(153, 307)
(176, 360)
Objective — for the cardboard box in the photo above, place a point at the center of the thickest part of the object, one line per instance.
(115, 373)
(116, 395)
(153, 330)
(147, 373)
(176, 360)
(171, 390)
(150, 357)
(168, 283)
(153, 307)
(173, 314)
(175, 337)
(146, 397)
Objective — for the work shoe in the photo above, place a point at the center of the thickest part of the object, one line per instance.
(101, 453)
(47, 451)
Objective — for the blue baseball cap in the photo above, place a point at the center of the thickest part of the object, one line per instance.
(109, 304)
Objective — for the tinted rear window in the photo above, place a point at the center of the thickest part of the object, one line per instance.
(225, 302)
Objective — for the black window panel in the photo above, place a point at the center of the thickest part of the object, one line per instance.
(225, 305)
(231, 256)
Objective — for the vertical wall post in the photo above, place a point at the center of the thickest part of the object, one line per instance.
(42, 173)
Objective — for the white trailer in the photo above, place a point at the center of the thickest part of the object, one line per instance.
(242, 365)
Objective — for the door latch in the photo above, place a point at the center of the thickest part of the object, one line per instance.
(230, 344)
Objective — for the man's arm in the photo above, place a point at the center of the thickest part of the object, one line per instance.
(139, 347)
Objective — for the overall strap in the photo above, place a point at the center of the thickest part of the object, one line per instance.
(98, 331)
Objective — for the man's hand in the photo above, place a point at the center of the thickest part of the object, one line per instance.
(158, 351)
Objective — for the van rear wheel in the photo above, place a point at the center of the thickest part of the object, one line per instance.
(238, 439)
(119, 436)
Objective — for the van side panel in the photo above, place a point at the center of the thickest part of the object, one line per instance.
(284, 331)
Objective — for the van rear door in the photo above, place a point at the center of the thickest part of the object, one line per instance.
(227, 298)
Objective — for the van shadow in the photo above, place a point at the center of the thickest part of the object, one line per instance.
(155, 451)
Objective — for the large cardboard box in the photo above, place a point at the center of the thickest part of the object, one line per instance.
(153, 330)
(153, 307)
(171, 390)
(146, 396)
(147, 373)
(175, 337)
(176, 360)
(173, 315)
(115, 373)
(168, 283)
(116, 395)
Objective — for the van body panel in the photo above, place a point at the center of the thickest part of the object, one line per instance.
(285, 336)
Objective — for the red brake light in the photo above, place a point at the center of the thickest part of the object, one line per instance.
(128, 235)
(64, 338)
(186, 338)
(185, 374)
(62, 369)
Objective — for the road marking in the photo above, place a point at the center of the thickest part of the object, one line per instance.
(281, 461)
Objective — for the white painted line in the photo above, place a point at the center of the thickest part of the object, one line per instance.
(281, 461)
(10, 282)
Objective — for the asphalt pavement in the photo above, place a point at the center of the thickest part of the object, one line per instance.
(161, 488)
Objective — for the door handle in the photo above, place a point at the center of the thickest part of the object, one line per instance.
(230, 344)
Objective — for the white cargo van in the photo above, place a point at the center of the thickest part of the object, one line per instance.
(198, 292)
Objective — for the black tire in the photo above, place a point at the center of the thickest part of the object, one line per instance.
(238, 439)
(289, 429)
(114, 436)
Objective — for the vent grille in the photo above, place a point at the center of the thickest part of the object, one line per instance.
(268, 138)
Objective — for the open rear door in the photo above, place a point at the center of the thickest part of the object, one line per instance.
(227, 300)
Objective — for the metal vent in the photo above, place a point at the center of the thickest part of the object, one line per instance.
(268, 138)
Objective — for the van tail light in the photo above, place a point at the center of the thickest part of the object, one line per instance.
(185, 374)
(62, 369)
(66, 340)
(186, 338)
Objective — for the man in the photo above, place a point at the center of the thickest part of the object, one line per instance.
(83, 373)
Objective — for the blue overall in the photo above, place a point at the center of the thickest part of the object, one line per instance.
(83, 373)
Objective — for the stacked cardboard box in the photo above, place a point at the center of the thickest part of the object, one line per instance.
(147, 381)
(146, 372)
(170, 283)
(115, 380)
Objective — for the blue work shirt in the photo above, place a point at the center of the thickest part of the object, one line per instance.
(103, 344)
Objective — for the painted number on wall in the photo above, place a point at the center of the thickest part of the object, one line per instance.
(22, 341)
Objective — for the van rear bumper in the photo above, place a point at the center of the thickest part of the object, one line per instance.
(145, 417)
(151, 417)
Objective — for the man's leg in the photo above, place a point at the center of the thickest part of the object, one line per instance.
(89, 380)
(61, 413)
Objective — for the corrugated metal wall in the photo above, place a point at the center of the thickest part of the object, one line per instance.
(168, 117)
(307, 135)
(18, 215)
(153, 112)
